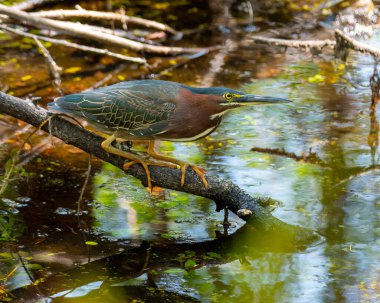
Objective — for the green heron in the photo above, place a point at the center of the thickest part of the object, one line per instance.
(155, 110)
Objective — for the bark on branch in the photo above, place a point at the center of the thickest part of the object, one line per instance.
(95, 15)
(223, 192)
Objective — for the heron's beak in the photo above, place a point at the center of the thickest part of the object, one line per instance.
(256, 100)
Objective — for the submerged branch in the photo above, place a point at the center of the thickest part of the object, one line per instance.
(356, 45)
(316, 44)
(311, 158)
(223, 192)
(342, 40)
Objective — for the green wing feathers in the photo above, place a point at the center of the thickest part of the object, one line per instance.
(123, 106)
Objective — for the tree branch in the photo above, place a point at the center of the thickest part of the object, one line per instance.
(54, 69)
(95, 15)
(77, 30)
(223, 193)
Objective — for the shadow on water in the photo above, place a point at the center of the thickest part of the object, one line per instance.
(141, 266)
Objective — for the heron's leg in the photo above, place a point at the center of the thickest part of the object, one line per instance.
(182, 164)
(155, 163)
(106, 145)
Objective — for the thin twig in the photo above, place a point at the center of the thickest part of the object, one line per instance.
(119, 33)
(88, 174)
(364, 171)
(54, 69)
(66, 14)
(74, 45)
(26, 269)
(9, 173)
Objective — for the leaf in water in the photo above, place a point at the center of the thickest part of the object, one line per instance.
(167, 204)
(172, 17)
(341, 66)
(166, 236)
(214, 255)
(6, 256)
(27, 40)
(316, 79)
(27, 146)
(166, 73)
(190, 263)
(174, 271)
(47, 44)
(161, 6)
(72, 70)
(91, 243)
(34, 266)
(326, 12)
(121, 77)
(26, 78)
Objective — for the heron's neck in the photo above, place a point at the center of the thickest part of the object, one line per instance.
(218, 115)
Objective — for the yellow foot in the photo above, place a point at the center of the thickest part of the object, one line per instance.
(134, 159)
(198, 170)
(159, 160)
(127, 165)
(145, 164)
(183, 165)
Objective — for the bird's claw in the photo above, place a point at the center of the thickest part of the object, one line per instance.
(198, 170)
(127, 165)
(145, 165)
(183, 167)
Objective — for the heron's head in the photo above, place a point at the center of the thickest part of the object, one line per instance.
(227, 99)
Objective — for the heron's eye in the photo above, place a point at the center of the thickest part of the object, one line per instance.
(228, 96)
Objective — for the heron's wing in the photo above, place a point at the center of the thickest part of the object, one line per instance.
(128, 108)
